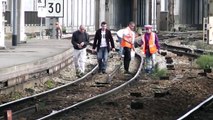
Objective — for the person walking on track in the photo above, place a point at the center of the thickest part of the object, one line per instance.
(120, 36)
(80, 40)
(104, 42)
(58, 29)
(149, 48)
(127, 43)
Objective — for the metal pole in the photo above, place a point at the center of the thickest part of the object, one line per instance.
(154, 15)
(41, 36)
(20, 22)
(14, 36)
(147, 12)
(11, 15)
(1, 25)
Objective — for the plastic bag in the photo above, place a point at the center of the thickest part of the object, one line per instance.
(132, 54)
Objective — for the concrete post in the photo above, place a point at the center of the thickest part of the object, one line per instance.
(21, 22)
(170, 14)
(135, 3)
(97, 4)
(102, 11)
(107, 12)
(147, 13)
(158, 9)
(14, 36)
(154, 15)
(10, 6)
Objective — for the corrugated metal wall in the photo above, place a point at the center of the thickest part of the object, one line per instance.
(141, 12)
(79, 12)
(120, 13)
(30, 18)
(191, 11)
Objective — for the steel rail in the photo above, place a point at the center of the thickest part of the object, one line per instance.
(198, 107)
(187, 51)
(195, 54)
(36, 96)
(97, 97)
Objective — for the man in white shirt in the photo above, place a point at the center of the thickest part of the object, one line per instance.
(120, 36)
(128, 45)
(104, 42)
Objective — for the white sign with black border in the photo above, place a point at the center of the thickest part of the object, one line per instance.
(55, 8)
(41, 8)
(41, 3)
(41, 11)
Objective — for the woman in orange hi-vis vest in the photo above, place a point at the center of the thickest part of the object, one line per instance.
(127, 43)
(149, 48)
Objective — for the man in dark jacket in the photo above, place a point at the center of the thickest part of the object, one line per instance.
(103, 41)
(80, 40)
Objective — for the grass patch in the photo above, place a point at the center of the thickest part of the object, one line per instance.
(157, 72)
(49, 84)
(205, 61)
(16, 95)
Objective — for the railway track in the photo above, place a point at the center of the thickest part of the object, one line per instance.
(203, 111)
(89, 88)
(161, 94)
(186, 51)
(56, 112)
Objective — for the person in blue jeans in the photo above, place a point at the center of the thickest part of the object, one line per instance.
(104, 42)
(149, 48)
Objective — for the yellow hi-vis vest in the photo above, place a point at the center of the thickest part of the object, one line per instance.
(152, 46)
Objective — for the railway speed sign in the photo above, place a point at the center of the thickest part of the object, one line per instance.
(55, 8)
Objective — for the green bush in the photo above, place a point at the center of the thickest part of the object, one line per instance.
(205, 61)
(161, 72)
(157, 73)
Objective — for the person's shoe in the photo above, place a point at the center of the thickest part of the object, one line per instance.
(104, 71)
(99, 71)
(148, 71)
(127, 72)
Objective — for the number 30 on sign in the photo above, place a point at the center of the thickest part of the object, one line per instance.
(55, 8)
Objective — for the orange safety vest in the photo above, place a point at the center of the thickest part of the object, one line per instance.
(152, 46)
(129, 37)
